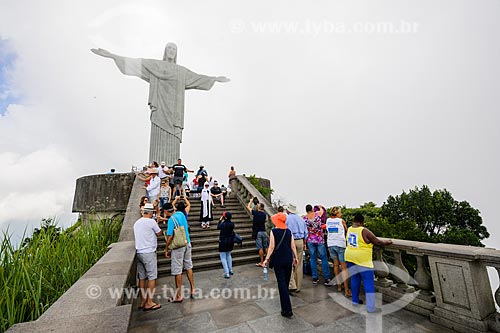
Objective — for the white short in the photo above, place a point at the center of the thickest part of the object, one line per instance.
(181, 258)
(147, 266)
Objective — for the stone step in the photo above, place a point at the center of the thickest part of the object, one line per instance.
(211, 255)
(209, 239)
(194, 213)
(164, 270)
(193, 221)
(205, 242)
(214, 232)
(209, 247)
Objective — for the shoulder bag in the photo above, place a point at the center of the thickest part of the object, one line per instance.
(179, 237)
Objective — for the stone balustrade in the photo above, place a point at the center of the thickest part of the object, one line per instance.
(245, 191)
(450, 284)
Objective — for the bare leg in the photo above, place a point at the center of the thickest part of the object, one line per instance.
(345, 278)
(261, 255)
(178, 287)
(190, 277)
(336, 264)
(142, 288)
(150, 293)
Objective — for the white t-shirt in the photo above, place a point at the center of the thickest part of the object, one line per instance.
(336, 232)
(145, 231)
(161, 172)
(154, 187)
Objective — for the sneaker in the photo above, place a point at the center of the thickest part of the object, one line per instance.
(315, 280)
(231, 273)
(360, 302)
(377, 310)
(226, 276)
(327, 283)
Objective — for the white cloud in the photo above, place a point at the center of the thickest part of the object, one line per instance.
(35, 186)
(331, 118)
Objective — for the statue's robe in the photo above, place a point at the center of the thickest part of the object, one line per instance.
(167, 84)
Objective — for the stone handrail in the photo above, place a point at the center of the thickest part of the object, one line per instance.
(450, 285)
(245, 191)
(89, 306)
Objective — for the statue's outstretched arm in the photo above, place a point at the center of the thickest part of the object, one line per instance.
(222, 79)
(128, 66)
(104, 53)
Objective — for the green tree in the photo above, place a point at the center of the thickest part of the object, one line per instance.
(265, 191)
(433, 217)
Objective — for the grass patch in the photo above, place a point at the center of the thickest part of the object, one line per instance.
(34, 276)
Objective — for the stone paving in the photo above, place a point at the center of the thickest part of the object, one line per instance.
(232, 309)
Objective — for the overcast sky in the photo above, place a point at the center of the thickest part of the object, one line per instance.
(338, 103)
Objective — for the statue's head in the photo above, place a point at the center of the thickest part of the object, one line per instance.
(170, 54)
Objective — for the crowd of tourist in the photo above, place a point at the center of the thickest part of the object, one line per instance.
(350, 250)
(326, 237)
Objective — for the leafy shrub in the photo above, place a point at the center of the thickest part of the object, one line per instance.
(34, 276)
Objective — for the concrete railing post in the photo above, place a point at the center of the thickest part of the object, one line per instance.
(381, 270)
(401, 277)
(423, 278)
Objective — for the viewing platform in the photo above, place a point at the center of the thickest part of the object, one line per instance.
(236, 306)
(449, 291)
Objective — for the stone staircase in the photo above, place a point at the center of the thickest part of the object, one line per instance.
(205, 242)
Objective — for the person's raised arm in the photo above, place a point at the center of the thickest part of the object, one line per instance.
(249, 206)
(188, 205)
(219, 223)
(321, 211)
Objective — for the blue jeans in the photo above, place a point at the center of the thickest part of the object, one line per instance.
(337, 253)
(366, 274)
(314, 249)
(227, 262)
(163, 200)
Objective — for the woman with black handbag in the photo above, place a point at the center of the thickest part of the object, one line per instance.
(226, 243)
(282, 256)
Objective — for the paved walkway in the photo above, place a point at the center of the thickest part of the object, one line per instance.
(230, 309)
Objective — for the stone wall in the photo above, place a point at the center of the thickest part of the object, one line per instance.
(104, 195)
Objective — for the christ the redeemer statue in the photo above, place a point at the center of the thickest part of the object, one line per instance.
(167, 83)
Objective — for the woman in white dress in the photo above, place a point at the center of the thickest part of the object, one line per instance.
(206, 206)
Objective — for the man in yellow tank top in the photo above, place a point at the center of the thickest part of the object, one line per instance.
(358, 255)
